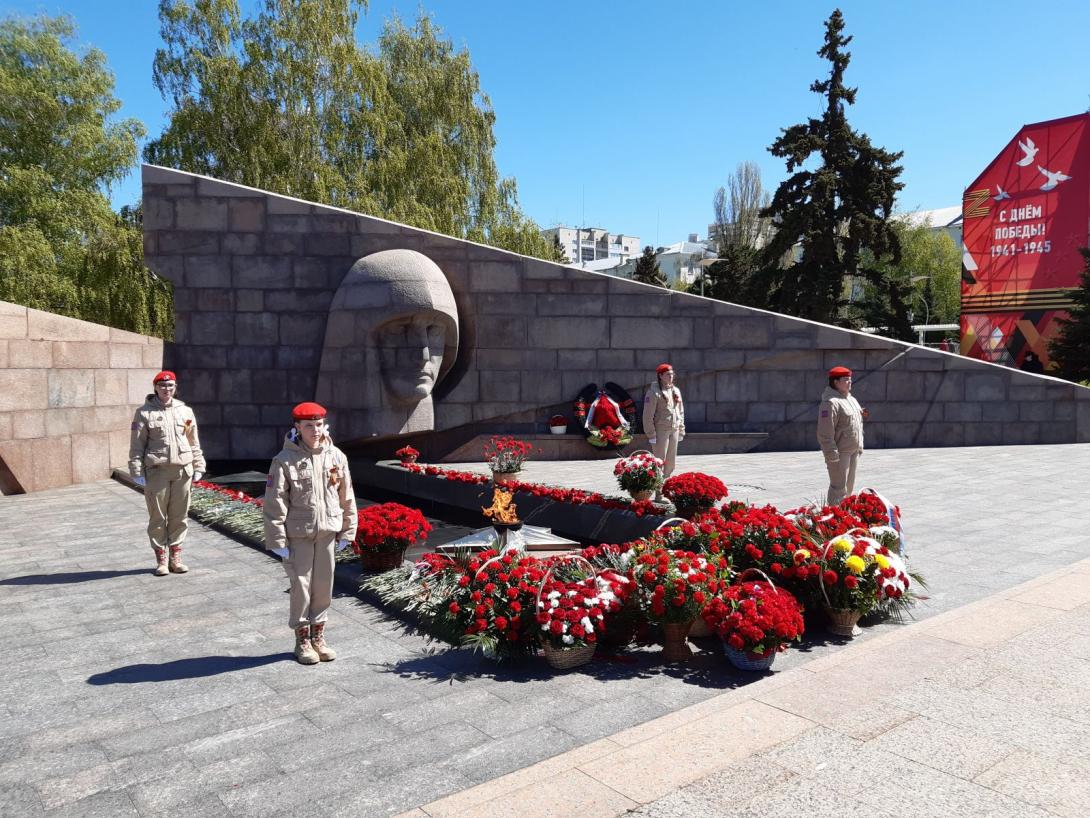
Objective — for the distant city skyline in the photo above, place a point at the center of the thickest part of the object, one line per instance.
(628, 116)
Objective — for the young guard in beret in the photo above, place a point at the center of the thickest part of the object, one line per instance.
(309, 507)
(664, 419)
(840, 433)
(165, 458)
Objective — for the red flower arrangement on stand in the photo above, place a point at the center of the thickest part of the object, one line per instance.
(407, 454)
(672, 588)
(693, 492)
(384, 533)
(506, 456)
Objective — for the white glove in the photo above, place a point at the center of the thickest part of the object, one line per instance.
(342, 544)
(280, 552)
(140, 481)
(198, 476)
(652, 440)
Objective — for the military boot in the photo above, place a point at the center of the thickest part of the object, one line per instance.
(317, 641)
(161, 562)
(176, 565)
(304, 651)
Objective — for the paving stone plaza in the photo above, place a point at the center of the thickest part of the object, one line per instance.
(128, 694)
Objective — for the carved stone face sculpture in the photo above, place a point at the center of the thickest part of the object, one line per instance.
(392, 335)
(410, 351)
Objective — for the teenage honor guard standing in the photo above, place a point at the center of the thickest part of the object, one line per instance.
(840, 433)
(309, 506)
(165, 458)
(664, 418)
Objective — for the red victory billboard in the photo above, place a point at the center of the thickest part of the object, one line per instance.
(1024, 219)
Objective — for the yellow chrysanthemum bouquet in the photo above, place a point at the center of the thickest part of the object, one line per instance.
(852, 573)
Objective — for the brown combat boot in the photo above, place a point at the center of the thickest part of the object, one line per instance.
(317, 641)
(176, 565)
(304, 651)
(161, 562)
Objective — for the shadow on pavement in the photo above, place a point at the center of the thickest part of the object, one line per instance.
(72, 577)
(194, 668)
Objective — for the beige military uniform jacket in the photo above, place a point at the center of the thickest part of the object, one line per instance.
(164, 436)
(309, 492)
(840, 425)
(663, 411)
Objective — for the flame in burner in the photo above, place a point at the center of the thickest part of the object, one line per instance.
(502, 509)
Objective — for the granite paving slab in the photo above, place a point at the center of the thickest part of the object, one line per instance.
(134, 669)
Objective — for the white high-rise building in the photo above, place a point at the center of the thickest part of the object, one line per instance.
(594, 244)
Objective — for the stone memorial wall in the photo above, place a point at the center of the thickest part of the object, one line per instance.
(280, 300)
(68, 390)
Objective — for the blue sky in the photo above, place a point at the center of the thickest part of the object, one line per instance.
(628, 115)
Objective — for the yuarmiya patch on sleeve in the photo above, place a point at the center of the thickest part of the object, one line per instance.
(825, 413)
(269, 481)
(135, 426)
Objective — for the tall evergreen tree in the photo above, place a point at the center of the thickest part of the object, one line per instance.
(835, 212)
(1070, 349)
(647, 269)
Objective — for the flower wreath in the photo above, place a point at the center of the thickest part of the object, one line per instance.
(606, 414)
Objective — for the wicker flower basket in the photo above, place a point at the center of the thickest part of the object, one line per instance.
(567, 658)
(647, 494)
(700, 629)
(749, 661)
(675, 647)
(844, 622)
(381, 560)
(407, 459)
(503, 478)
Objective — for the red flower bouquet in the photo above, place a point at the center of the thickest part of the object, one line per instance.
(572, 614)
(762, 538)
(673, 586)
(407, 454)
(755, 619)
(693, 491)
(506, 455)
(639, 473)
(389, 528)
(493, 602)
(702, 534)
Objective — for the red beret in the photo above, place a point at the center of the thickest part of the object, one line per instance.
(165, 375)
(308, 411)
(839, 372)
(663, 368)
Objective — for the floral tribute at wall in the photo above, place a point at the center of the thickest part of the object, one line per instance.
(749, 572)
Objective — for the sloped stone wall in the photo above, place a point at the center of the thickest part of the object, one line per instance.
(68, 390)
(255, 274)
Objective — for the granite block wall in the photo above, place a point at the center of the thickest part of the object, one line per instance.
(255, 274)
(68, 390)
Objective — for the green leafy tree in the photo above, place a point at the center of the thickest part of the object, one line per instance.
(62, 249)
(929, 272)
(647, 269)
(834, 217)
(289, 101)
(1069, 351)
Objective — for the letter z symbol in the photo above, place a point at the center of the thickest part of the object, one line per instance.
(975, 203)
